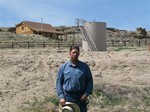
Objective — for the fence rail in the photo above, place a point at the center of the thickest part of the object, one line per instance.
(28, 45)
(134, 42)
(58, 44)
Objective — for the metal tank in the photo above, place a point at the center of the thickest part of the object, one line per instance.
(96, 32)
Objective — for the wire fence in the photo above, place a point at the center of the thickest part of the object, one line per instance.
(29, 45)
(61, 44)
(124, 43)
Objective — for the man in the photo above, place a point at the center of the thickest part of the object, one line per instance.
(74, 81)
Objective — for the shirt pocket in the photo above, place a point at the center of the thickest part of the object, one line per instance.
(67, 75)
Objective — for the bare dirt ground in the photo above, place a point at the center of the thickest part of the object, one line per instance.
(26, 74)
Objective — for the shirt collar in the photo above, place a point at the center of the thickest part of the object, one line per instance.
(71, 65)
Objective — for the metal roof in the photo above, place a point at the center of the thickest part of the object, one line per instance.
(41, 27)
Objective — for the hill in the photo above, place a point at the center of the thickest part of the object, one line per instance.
(8, 34)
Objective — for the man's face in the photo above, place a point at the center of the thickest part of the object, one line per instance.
(74, 54)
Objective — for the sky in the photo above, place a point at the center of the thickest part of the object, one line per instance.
(119, 14)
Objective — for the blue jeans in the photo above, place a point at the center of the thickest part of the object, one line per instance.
(75, 98)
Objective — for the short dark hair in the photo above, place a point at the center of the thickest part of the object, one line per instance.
(74, 47)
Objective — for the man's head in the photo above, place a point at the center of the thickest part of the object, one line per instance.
(74, 47)
(74, 53)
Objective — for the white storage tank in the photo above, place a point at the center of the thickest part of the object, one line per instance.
(97, 31)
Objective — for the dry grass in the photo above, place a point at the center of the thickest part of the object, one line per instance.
(121, 78)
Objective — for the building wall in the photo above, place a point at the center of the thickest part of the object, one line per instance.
(23, 29)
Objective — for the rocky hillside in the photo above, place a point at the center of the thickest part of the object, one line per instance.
(8, 34)
(112, 33)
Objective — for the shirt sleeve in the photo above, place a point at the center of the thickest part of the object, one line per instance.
(59, 83)
(89, 87)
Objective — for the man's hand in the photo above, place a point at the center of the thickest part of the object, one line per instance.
(62, 102)
(84, 97)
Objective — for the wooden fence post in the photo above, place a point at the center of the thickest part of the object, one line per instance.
(139, 43)
(28, 45)
(12, 45)
(44, 44)
(145, 42)
(58, 44)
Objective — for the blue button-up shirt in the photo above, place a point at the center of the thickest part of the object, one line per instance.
(74, 79)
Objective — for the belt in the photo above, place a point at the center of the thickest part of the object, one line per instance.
(74, 92)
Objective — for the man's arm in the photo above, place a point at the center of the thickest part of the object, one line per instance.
(59, 83)
(89, 87)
